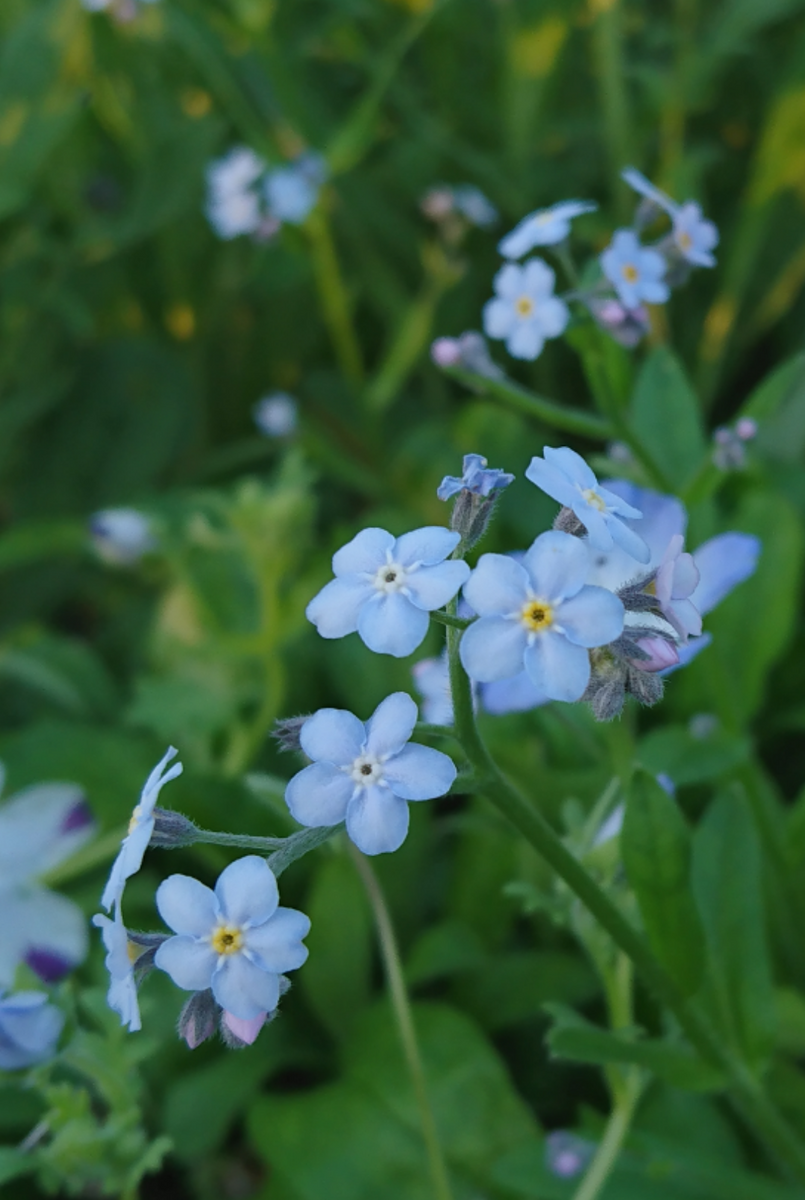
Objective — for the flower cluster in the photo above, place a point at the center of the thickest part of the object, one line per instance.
(245, 196)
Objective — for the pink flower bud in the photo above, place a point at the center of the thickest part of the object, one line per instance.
(244, 1031)
(746, 429)
(662, 654)
(446, 352)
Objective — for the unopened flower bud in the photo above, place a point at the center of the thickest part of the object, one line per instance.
(238, 1033)
(626, 326)
(446, 352)
(660, 653)
(198, 1018)
(172, 829)
(567, 1155)
(746, 429)
(287, 731)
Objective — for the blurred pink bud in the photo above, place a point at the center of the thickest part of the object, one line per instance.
(446, 352)
(244, 1031)
(438, 203)
(746, 429)
(662, 654)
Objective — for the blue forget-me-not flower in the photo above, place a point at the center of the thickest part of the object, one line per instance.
(478, 478)
(565, 476)
(694, 236)
(141, 826)
(365, 774)
(539, 615)
(291, 191)
(121, 536)
(40, 827)
(122, 994)
(276, 415)
(545, 227)
(384, 588)
(525, 312)
(236, 940)
(636, 272)
(233, 202)
(29, 1029)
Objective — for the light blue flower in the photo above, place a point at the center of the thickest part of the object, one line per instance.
(276, 415)
(473, 204)
(432, 681)
(141, 826)
(636, 273)
(384, 588)
(525, 311)
(40, 827)
(695, 237)
(518, 694)
(538, 615)
(365, 774)
(233, 201)
(478, 478)
(545, 227)
(29, 1029)
(565, 476)
(292, 191)
(122, 994)
(235, 940)
(121, 536)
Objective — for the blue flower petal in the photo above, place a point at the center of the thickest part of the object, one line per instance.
(319, 795)
(243, 989)
(428, 546)
(189, 962)
(497, 586)
(391, 725)
(723, 562)
(390, 624)
(493, 649)
(186, 906)
(377, 820)
(629, 541)
(335, 610)
(553, 481)
(53, 925)
(332, 735)
(247, 891)
(525, 340)
(558, 668)
(419, 773)
(558, 565)
(276, 945)
(572, 465)
(498, 317)
(366, 552)
(433, 587)
(592, 618)
(511, 695)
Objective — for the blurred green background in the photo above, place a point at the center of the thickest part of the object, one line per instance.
(133, 346)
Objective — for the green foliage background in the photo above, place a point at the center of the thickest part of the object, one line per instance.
(133, 345)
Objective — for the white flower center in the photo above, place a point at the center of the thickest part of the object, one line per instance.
(391, 577)
(365, 770)
(594, 500)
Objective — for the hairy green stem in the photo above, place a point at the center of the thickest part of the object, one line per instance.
(405, 1024)
(299, 844)
(745, 1092)
(243, 841)
(539, 408)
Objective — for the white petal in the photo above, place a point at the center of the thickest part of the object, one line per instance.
(553, 316)
(335, 610)
(247, 891)
(419, 773)
(190, 963)
(493, 648)
(35, 831)
(319, 795)
(377, 821)
(391, 624)
(243, 989)
(333, 735)
(391, 725)
(186, 906)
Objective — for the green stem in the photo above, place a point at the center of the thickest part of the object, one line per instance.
(746, 1094)
(610, 1145)
(244, 841)
(334, 298)
(539, 408)
(300, 843)
(607, 38)
(446, 618)
(405, 1024)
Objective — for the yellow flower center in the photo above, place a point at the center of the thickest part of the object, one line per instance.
(133, 951)
(227, 939)
(524, 306)
(537, 616)
(135, 818)
(684, 240)
(629, 273)
(594, 499)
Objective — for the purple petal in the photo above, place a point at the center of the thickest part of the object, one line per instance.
(592, 618)
(243, 989)
(557, 667)
(247, 891)
(48, 965)
(51, 924)
(335, 610)
(366, 552)
(432, 587)
(497, 585)
(190, 963)
(333, 735)
(377, 820)
(186, 906)
(319, 795)
(277, 943)
(428, 546)
(558, 565)
(419, 773)
(493, 648)
(391, 725)
(391, 624)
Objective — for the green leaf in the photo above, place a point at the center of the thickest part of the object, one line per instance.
(728, 885)
(666, 418)
(13, 1164)
(655, 844)
(674, 751)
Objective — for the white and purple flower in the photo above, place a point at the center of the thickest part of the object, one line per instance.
(384, 588)
(524, 311)
(365, 773)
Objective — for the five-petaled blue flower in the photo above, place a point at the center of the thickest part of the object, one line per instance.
(365, 774)
(235, 940)
(29, 1029)
(538, 615)
(292, 191)
(636, 273)
(122, 994)
(141, 826)
(694, 235)
(478, 478)
(565, 476)
(384, 588)
(545, 227)
(525, 311)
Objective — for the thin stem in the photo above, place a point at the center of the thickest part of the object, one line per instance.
(446, 618)
(244, 841)
(539, 408)
(300, 843)
(610, 1145)
(405, 1023)
(334, 298)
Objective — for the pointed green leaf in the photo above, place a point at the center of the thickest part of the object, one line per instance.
(665, 416)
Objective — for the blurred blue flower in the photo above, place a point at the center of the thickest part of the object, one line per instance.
(432, 681)
(40, 827)
(566, 477)
(385, 587)
(473, 204)
(478, 478)
(635, 272)
(276, 415)
(235, 940)
(29, 1029)
(525, 311)
(695, 237)
(538, 615)
(233, 202)
(122, 994)
(292, 191)
(141, 826)
(121, 536)
(545, 227)
(365, 774)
